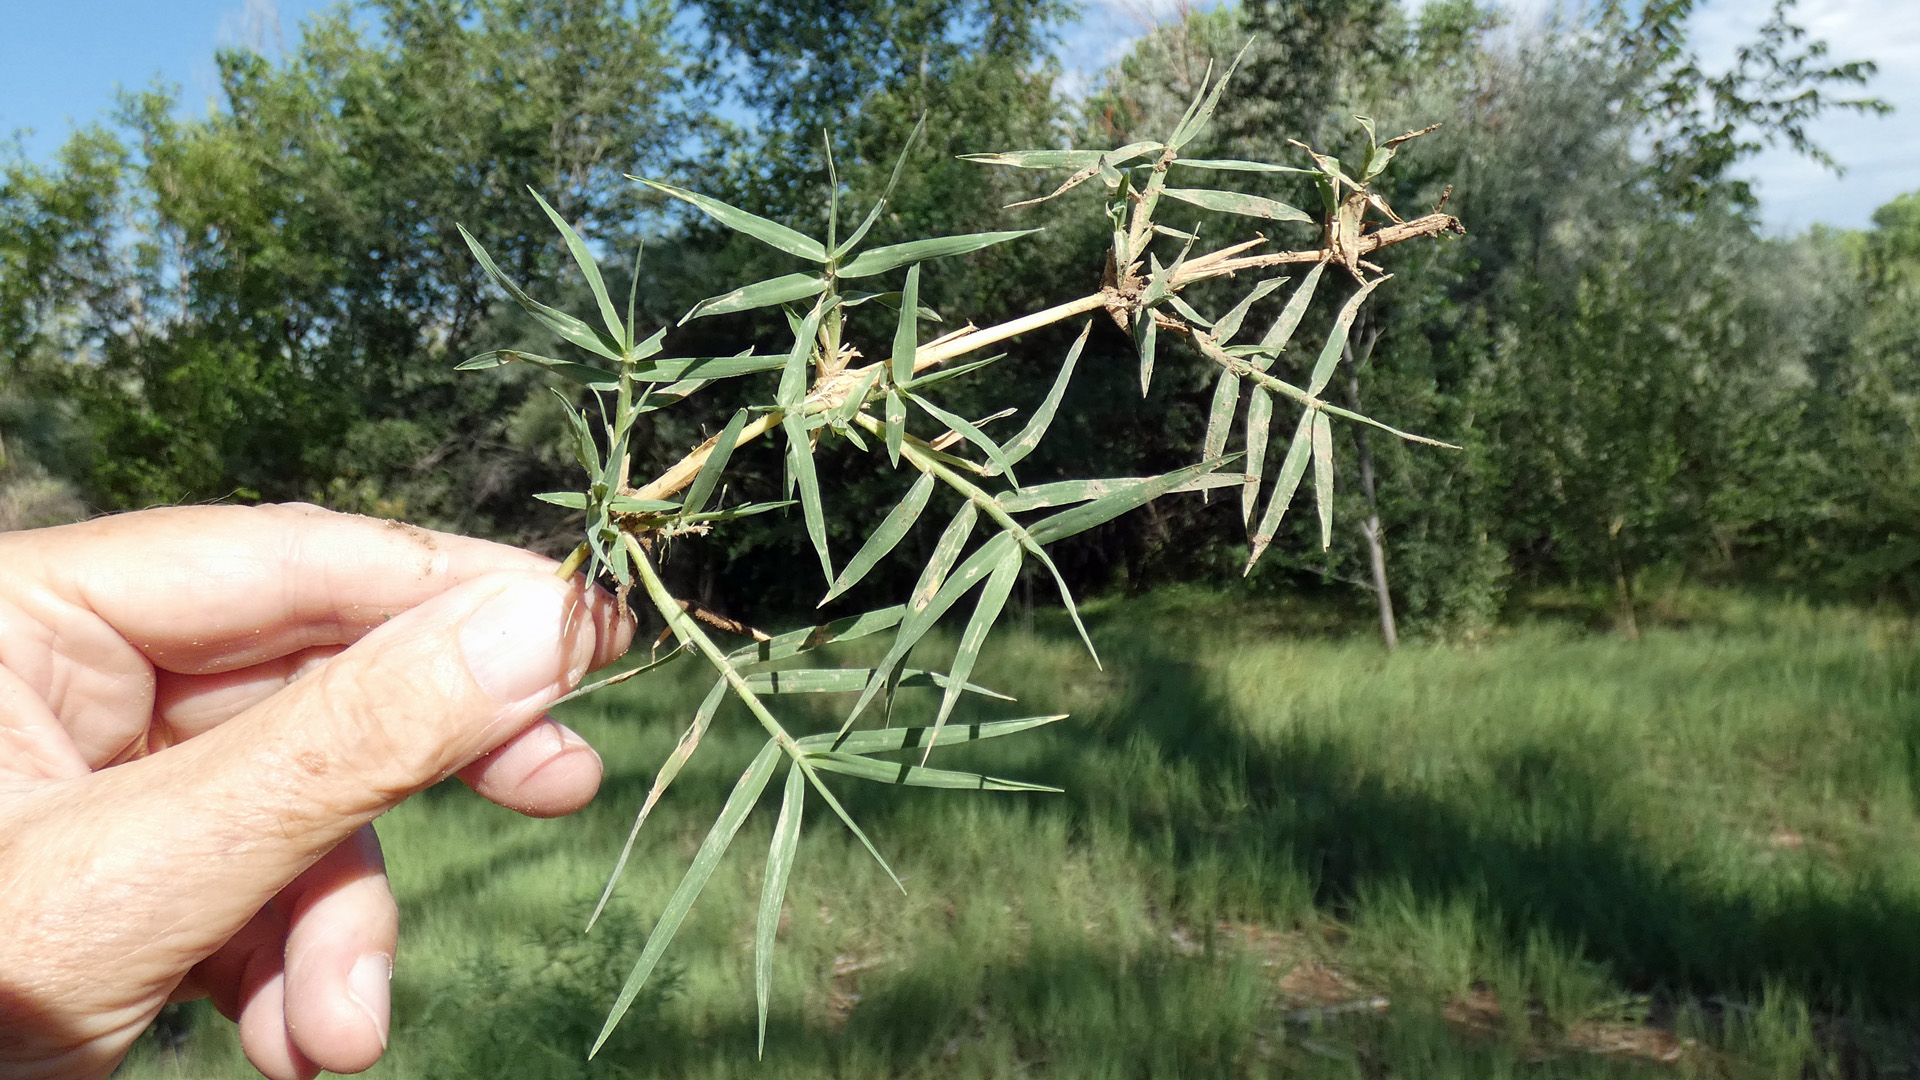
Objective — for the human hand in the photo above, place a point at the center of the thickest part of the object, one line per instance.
(201, 712)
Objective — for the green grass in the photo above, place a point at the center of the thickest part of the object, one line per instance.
(1278, 855)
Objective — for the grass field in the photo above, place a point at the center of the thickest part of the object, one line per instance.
(1555, 853)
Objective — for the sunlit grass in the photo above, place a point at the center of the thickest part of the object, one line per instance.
(1277, 855)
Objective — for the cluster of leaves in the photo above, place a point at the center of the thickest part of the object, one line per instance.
(823, 393)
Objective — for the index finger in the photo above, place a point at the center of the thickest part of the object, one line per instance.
(203, 589)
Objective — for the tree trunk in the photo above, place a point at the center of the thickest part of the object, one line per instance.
(1628, 621)
(1371, 528)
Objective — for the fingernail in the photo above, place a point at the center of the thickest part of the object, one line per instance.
(513, 642)
(370, 984)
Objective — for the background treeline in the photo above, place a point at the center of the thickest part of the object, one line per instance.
(267, 303)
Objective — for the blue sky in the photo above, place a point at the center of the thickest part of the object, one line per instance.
(65, 59)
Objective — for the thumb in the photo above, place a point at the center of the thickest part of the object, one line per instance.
(406, 706)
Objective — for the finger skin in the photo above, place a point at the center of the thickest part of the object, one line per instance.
(545, 771)
(343, 918)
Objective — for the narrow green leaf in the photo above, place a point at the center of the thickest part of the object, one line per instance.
(946, 551)
(1323, 475)
(1145, 334)
(873, 215)
(585, 451)
(617, 678)
(1112, 505)
(1196, 121)
(936, 376)
(1226, 399)
(745, 793)
(1283, 327)
(1229, 324)
(633, 290)
(913, 738)
(833, 239)
(669, 769)
(1231, 165)
(565, 326)
(793, 374)
(846, 819)
(626, 504)
(767, 232)
(773, 891)
(589, 269)
(800, 461)
(1259, 417)
(986, 611)
(906, 333)
(882, 259)
(797, 642)
(1291, 471)
(1063, 159)
(593, 378)
(1068, 492)
(1235, 202)
(1323, 368)
(572, 500)
(969, 432)
(734, 513)
(889, 534)
(899, 772)
(847, 680)
(896, 425)
(706, 368)
(1024, 443)
(716, 464)
(849, 406)
(780, 290)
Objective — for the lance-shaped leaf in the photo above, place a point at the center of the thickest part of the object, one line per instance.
(1146, 335)
(734, 513)
(1283, 327)
(882, 259)
(946, 552)
(1234, 165)
(633, 288)
(899, 772)
(1259, 417)
(921, 619)
(767, 232)
(906, 333)
(716, 463)
(847, 680)
(1337, 339)
(873, 215)
(1323, 475)
(589, 269)
(969, 432)
(1068, 492)
(1235, 202)
(616, 679)
(1024, 443)
(1197, 118)
(593, 378)
(1291, 471)
(1112, 505)
(669, 769)
(1229, 324)
(705, 368)
(885, 538)
(773, 890)
(800, 463)
(797, 642)
(745, 793)
(913, 738)
(1063, 159)
(627, 504)
(939, 375)
(585, 450)
(563, 325)
(896, 425)
(793, 374)
(986, 611)
(1226, 398)
(780, 290)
